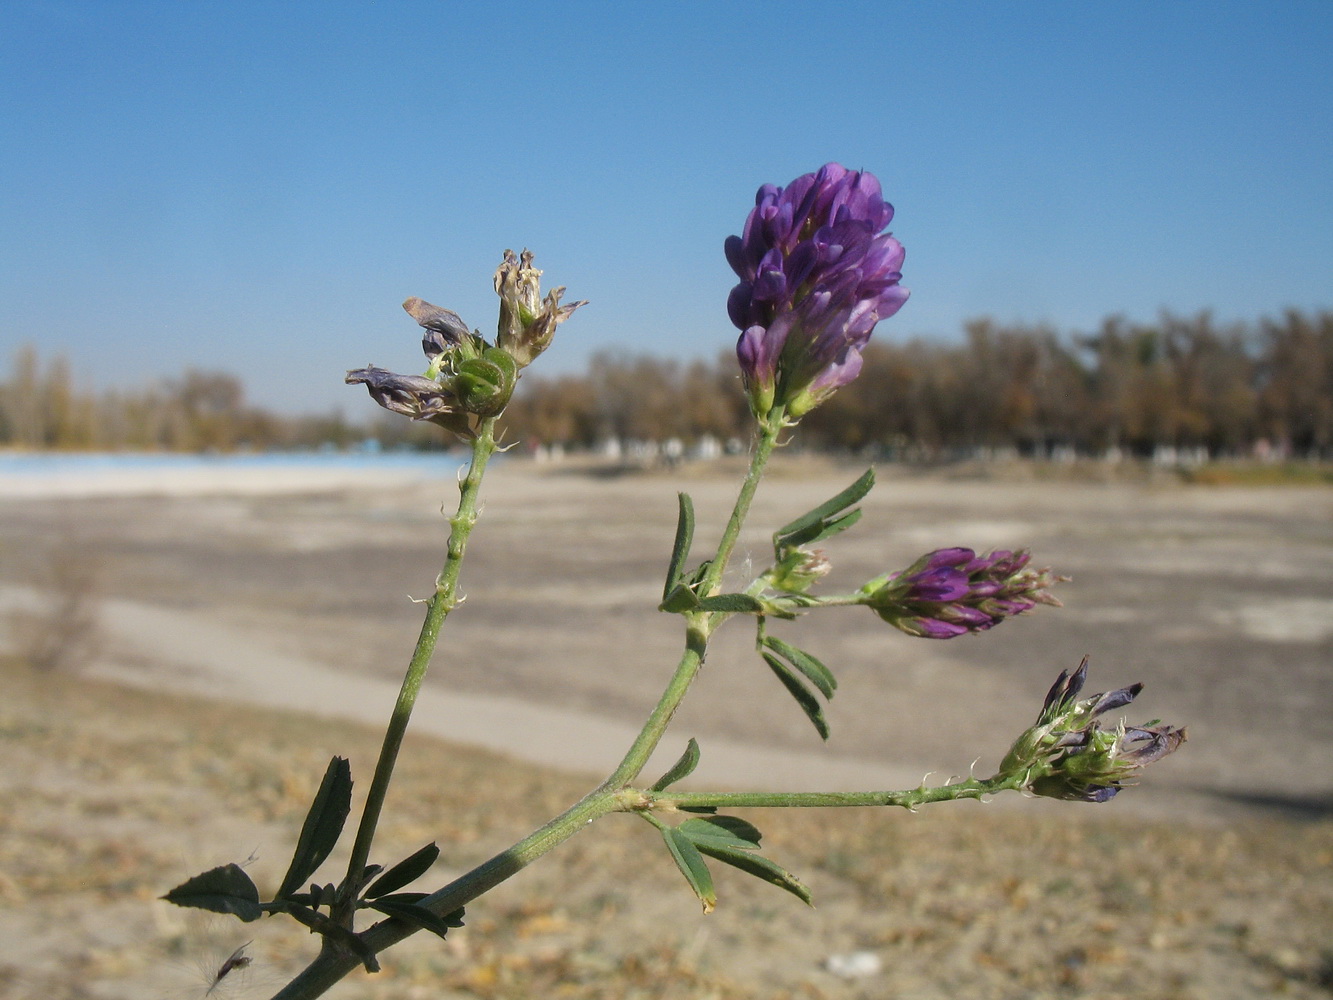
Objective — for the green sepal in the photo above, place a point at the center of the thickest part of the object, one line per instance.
(681, 598)
(822, 521)
(809, 704)
(323, 825)
(483, 385)
(721, 832)
(683, 768)
(760, 867)
(818, 674)
(680, 548)
(739, 603)
(225, 889)
(404, 906)
(691, 865)
(407, 870)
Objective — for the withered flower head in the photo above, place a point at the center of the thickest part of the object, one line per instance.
(527, 322)
(1070, 753)
(414, 396)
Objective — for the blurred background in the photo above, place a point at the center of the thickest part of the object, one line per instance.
(1118, 351)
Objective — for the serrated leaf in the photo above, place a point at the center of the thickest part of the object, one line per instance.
(721, 831)
(407, 870)
(681, 598)
(742, 603)
(681, 547)
(825, 511)
(809, 704)
(418, 915)
(225, 889)
(683, 768)
(691, 865)
(323, 825)
(761, 867)
(819, 675)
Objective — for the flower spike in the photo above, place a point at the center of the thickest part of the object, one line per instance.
(817, 273)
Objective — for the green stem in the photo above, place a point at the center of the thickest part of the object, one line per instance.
(972, 788)
(698, 627)
(765, 442)
(441, 603)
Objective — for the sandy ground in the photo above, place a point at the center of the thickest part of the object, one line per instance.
(293, 590)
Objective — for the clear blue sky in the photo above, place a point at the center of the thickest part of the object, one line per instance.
(257, 186)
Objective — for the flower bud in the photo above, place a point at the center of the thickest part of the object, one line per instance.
(527, 323)
(950, 592)
(799, 569)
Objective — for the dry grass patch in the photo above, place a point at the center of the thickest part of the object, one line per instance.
(112, 796)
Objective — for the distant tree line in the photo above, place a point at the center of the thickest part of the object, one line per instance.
(1184, 383)
(1178, 383)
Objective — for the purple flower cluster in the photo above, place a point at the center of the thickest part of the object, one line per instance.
(817, 273)
(953, 591)
(1084, 762)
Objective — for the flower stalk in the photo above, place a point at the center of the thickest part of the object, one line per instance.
(443, 601)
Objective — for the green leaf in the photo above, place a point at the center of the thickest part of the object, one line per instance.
(826, 529)
(409, 910)
(683, 768)
(721, 832)
(322, 827)
(743, 603)
(226, 889)
(760, 867)
(405, 871)
(819, 675)
(813, 521)
(809, 704)
(681, 547)
(691, 865)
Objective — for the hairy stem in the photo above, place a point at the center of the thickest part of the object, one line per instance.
(441, 603)
(972, 788)
(765, 441)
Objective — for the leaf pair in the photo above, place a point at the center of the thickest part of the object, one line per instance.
(382, 894)
(228, 889)
(826, 520)
(795, 667)
(732, 841)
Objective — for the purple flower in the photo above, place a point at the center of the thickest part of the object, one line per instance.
(1072, 757)
(950, 592)
(817, 273)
